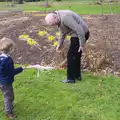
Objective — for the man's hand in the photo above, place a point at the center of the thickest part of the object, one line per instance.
(81, 49)
(58, 49)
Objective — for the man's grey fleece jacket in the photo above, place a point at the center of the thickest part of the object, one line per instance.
(71, 24)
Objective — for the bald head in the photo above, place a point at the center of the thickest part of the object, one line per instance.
(51, 19)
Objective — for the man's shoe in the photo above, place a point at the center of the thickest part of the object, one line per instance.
(78, 78)
(68, 81)
(11, 116)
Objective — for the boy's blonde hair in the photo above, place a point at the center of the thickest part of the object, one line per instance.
(6, 44)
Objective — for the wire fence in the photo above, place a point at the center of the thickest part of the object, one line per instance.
(10, 6)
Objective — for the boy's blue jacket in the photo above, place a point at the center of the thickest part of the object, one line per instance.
(7, 70)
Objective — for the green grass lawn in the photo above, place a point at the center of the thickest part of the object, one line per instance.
(46, 98)
(81, 8)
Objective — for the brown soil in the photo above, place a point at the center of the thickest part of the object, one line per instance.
(104, 35)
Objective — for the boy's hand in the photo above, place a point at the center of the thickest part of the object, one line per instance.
(24, 67)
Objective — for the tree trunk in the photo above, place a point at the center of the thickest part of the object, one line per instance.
(20, 2)
(46, 4)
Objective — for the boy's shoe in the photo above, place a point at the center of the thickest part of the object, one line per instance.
(11, 116)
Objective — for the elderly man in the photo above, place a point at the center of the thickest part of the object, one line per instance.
(71, 24)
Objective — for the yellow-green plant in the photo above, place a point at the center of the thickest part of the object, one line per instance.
(51, 38)
(24, 36)
(68, 37)
(31, 42)
(57, 33)
(42, 33)
(55, 43)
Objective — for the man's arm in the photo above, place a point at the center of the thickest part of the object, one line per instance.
(61, 38)
(70, 22)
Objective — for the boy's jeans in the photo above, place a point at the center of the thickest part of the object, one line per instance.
(8, 94)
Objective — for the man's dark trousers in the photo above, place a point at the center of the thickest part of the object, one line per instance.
(74, 60)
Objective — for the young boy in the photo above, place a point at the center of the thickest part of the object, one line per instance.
(7, 73)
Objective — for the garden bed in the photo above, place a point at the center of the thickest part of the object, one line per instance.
(104, 37)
